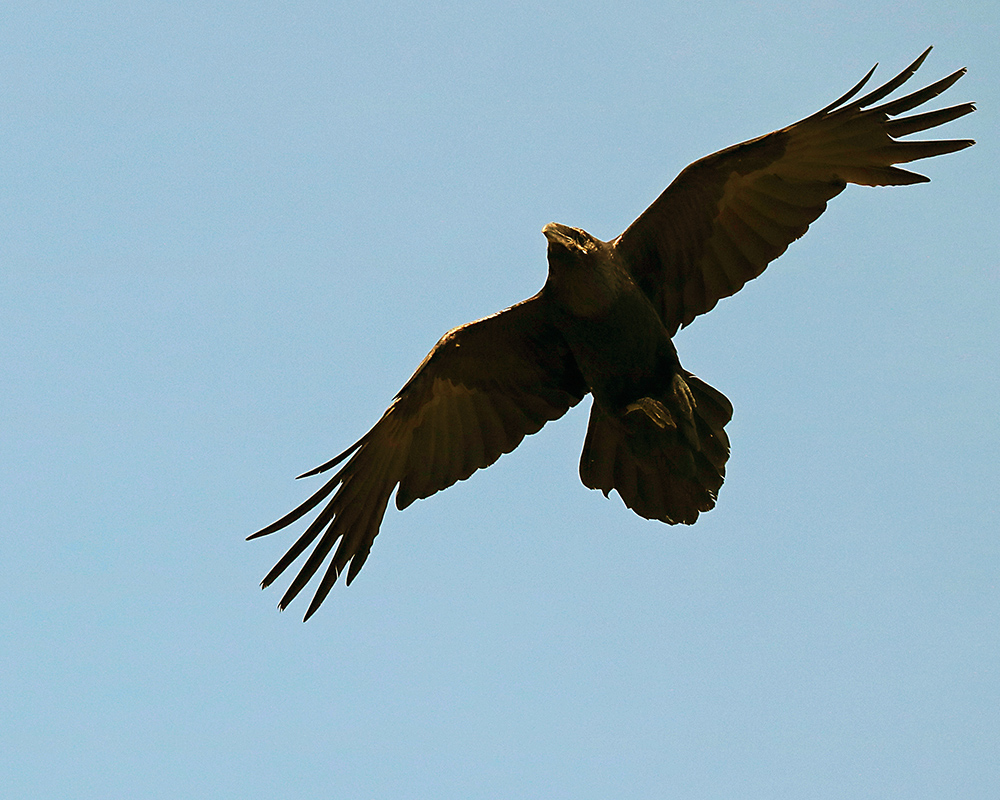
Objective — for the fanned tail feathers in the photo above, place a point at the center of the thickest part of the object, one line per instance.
(665, 456)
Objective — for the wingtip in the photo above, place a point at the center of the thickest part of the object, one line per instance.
(311, 610)
(920, 59)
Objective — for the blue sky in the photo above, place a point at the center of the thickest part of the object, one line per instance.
(229, 233)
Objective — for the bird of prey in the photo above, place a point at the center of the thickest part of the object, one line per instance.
(602, 324)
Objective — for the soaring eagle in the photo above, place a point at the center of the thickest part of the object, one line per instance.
(603, 323)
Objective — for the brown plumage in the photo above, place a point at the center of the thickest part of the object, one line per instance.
(602, 324)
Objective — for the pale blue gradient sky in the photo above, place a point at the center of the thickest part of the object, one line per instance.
(229, 232)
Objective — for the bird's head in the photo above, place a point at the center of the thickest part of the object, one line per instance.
(566, 241)
(582, 271)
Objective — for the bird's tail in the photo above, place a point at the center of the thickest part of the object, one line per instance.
(665, 456)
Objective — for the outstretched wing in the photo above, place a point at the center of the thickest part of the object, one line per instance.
(727, 216)
(481, 389)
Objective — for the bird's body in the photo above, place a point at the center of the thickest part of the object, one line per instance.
(603, 324)
(649, 437)
(616, 337)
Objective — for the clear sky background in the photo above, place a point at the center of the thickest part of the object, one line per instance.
(228, 234)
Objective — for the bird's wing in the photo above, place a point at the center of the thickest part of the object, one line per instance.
(476, 395)
(726, 216)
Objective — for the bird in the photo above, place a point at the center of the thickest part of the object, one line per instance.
(603, 324)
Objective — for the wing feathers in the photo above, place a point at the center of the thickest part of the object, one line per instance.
(481, 389)
(766, 196)
(761, 238)
(717, 282)
(490, 427)
(890, 86)
(849, 94)
(903, 152)
(728, 215)
(931, 119)
(918, 97)
(469, 437)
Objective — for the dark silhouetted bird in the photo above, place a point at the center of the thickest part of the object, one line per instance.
(603, 323)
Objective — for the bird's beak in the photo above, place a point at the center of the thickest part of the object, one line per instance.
(553, 232)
